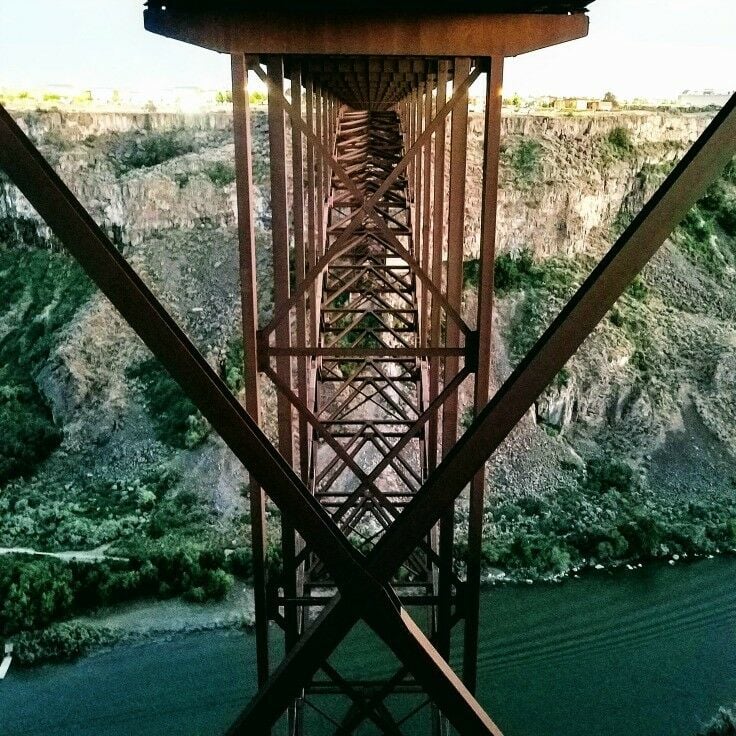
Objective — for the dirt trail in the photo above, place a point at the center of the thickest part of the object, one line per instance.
(86, 555)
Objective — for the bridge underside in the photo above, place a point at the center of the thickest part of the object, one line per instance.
(369, 345)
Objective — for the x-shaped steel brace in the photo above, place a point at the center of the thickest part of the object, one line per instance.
(129, 294)
(362, 581)
(576, 321)
(368, 206)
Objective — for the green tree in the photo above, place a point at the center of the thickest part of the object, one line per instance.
(610, 97)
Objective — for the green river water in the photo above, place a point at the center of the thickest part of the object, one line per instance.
(644, 653)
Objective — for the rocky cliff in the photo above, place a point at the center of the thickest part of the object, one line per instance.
(648, 386)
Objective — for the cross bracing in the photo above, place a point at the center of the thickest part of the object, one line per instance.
(368, 344)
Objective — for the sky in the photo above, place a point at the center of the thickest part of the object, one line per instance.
(636, 48)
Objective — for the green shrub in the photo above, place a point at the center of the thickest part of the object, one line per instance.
(695, 236)
(562, 378)
(46, 289)
(616, 317)
(699, 235)
(22, 232)
(471, 273)
(620, 140)
(220, 173)
(609, 475)
(142, 150)
(720, 204)
(643, 362)
(520, 271)
(727, 220)
(83, 513)
(544, 285)
(729, 173)
(525, 160)
(38, 591)
(513, 272)
(233, 365)
(605, 515)
(241, 562)
(176, 419)
(59, 643)
(33, 595)
(28, 433)
(638, 289)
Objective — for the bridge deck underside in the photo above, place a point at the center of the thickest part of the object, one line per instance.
(369, 402)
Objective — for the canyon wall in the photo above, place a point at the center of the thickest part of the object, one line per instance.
(569, 204)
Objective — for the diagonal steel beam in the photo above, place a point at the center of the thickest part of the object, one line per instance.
(328, 630)
(86, 241)
(367, 205)
(699, 168)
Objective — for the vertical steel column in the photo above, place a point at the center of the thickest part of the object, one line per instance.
(303, 363)
(419, 179)
(491, 148)
(326, 126)
(411, 132)
(455, 242)
(311, 219)
(249, 310)
(425, 255)
(300, 262)
(319, 175)
(280, 235)
(438, 236)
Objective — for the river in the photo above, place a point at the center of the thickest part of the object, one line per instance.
(645, 653)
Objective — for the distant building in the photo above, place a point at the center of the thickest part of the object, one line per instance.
(570, 103)
(600, 105)
(704, 98)
(579, 104)
(544, 101)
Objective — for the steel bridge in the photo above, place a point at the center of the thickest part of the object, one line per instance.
(369, 343)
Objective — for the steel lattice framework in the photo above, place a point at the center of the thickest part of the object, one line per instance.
(368, 350)
(368, 345)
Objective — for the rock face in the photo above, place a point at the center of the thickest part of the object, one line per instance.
(568, 186)
(76, 127)
(568, 204)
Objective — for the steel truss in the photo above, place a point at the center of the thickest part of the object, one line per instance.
(367, 348)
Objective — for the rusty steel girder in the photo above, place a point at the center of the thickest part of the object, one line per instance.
(367, 349)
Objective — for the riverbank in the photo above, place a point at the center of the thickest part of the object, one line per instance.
(162, 620)
(661, 638)
(493, 577)
(146, 620)
(603, 516)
